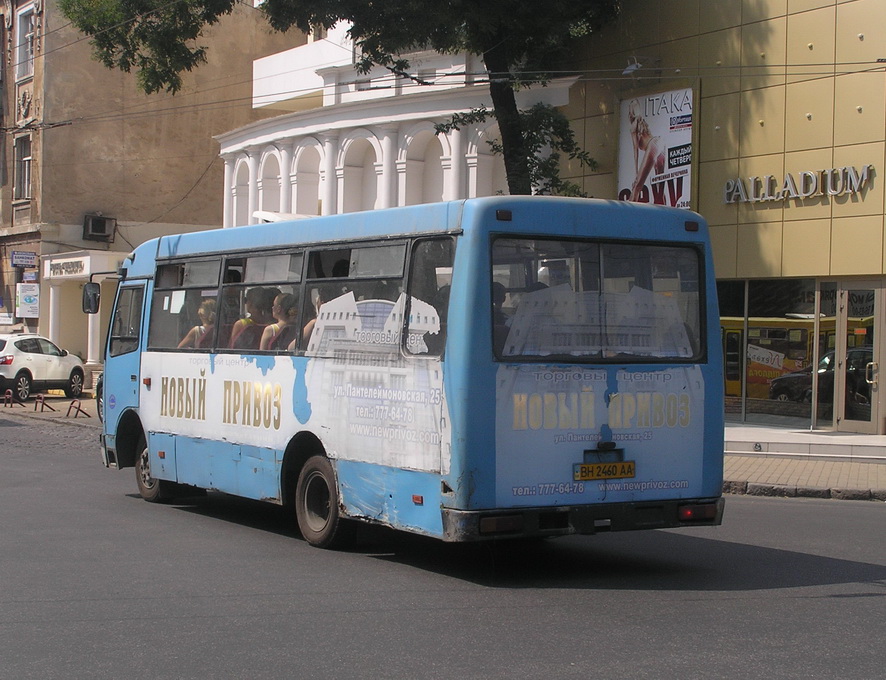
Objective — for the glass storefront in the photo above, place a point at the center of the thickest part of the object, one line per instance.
(786, 349)
(767, 330)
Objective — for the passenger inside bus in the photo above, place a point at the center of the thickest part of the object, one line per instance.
(499, 294)
(436, 341)
(247, 332)
(499, 318)
(279, 335)
(312, 310)
(201, 334)
(385, 290)
(341, 268)
(229, 307)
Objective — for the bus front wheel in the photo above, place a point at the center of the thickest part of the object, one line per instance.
(152, 490)
(317, 507)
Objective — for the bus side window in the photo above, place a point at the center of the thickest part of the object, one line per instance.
(430, 278)
(324, 264)
(175, 310)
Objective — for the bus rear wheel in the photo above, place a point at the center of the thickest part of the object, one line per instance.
(152, 490)
(317, 506)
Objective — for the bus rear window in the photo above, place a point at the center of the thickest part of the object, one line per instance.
(584, 300)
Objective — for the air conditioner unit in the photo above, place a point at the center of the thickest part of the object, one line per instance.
(99, 228)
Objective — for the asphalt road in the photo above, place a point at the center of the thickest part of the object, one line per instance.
(96, 583)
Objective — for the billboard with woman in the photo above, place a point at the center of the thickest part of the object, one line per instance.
(655, 149)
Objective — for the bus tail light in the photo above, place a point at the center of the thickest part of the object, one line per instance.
(501, 524)
(697, 513)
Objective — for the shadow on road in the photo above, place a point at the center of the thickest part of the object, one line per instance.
(653, 560)
(650, 560)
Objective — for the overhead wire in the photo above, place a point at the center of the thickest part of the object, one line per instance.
(390, 81)
(394, 82)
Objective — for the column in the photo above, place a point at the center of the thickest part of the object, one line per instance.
(339, 190)
(329, 195)
(388, 183)
(402, 182)
(94, 337)
(252, 203)
(472, 176)
(55, 308)
(457, 166)
(228, 196)
(286, 184)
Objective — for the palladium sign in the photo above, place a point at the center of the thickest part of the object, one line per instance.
(806, 184)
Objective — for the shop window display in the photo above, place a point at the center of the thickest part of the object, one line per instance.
(768, 350)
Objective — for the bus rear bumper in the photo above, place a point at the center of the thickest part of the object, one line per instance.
(478, 525)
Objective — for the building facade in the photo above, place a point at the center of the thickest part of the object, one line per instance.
(94, 167)
(358, 142)
(788, 117)
(766, 116)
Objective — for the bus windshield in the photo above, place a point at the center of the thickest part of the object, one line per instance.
(586, 300)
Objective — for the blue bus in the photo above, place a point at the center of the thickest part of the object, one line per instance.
(482, 369)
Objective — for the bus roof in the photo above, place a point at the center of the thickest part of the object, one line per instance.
(428, 218)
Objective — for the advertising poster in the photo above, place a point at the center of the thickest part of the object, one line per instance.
(27, 300)
(354, 389)
(655, 149)
(549, 421)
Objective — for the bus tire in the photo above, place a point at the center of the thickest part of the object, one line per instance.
(152, 490)
(317, 506)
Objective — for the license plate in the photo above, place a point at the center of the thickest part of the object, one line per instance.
(584, 472)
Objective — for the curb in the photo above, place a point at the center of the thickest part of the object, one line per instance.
(785, 491)
(731, 487)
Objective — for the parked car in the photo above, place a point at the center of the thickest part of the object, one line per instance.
(30, 362)
(797, 386)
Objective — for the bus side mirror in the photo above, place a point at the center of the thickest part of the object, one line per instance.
(92, 294)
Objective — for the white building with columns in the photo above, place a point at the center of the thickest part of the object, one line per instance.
(343, 142)
(353, 142)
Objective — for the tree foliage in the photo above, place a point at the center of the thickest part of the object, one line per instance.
(519, 41)
(547, 136)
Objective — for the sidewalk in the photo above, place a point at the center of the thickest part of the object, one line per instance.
(760, 461)
(772, 461)
(57, 408)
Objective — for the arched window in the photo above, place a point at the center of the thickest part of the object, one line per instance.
(360, 179)
(486, 170)
(424, 169)
(307, 182)
(241, 193)
(269, 197)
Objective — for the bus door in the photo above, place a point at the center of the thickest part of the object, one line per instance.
(121, 386)
(856, 369)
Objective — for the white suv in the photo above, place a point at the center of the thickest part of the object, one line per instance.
(30, 362)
